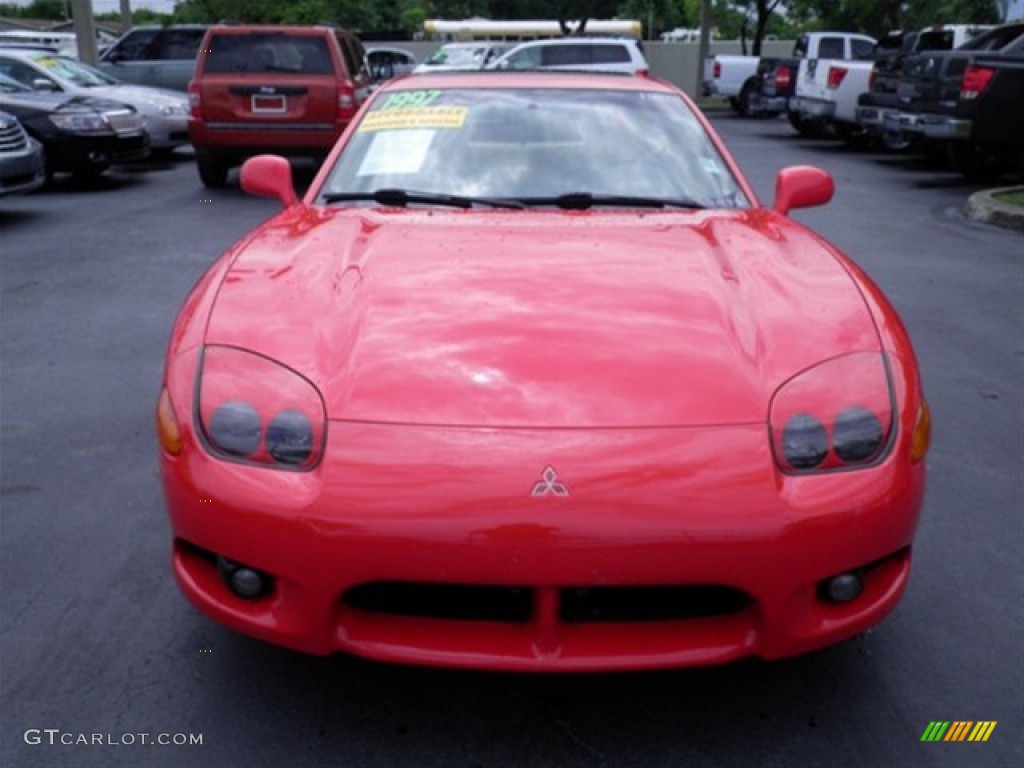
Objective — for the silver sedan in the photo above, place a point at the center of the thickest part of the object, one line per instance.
(164, 113)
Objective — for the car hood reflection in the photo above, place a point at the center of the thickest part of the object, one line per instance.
(548, 319)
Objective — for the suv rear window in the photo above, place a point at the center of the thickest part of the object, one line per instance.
(279, 53)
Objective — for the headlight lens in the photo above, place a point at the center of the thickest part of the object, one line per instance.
(837, 415)
(81, 123)
(255, 410)
(804, 441)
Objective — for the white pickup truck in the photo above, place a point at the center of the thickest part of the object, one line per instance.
(732, 76)
(831, 89)
(827, 85)
(736, 77)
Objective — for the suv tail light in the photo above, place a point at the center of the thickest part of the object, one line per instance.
(347, 100)
(195, 102)
(835, 76)
(717, 70)
(872, 78)
(782, 78)
(974, 82)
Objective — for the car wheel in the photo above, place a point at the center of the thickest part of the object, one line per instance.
(852, 136)
(89, 172)
(977, 160)
(213, 173)
(895, 141)
(745, 102)
(800, 124)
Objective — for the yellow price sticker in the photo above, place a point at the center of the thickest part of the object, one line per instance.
(417, 117)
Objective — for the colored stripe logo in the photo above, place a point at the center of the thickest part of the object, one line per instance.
(958, 730)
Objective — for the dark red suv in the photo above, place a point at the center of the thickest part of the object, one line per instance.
(283, 89)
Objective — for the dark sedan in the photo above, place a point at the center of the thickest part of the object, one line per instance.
(82, 135)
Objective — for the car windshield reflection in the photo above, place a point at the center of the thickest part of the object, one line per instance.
(534, 145)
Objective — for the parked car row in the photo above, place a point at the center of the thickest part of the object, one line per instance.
(956, 89)
(81, 135)
(164, 112)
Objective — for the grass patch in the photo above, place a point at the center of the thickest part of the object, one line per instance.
(1011, 198)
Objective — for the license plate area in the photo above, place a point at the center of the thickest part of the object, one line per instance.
(266, 104)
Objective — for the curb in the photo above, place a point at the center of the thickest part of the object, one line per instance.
(982, 206)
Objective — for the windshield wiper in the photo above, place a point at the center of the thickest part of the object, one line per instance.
(400, 198)
(581, 201)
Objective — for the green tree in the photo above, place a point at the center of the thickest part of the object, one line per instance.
(39, 9)
(660, 15)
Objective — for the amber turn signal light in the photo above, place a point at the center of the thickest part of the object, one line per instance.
(922, 438)
(167, 425)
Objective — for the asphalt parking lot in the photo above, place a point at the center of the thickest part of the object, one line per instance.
(95, 638)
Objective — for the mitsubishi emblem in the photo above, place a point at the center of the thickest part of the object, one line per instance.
(549, 484)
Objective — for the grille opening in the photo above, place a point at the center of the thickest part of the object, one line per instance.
(665, 603)
(443, 601)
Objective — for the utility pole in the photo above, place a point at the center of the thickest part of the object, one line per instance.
(126, 15)
(704, 45)
(85, 31)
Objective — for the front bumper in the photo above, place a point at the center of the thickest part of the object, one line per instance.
(676, 510)
(936, 127)
(167, 131)
(84, 153)
(23, 171)
(770, 105)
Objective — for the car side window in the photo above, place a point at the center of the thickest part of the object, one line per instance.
(348, 54)
(830, 48)
(139, 45)
(177, 44)
(863, 50)
(610, 54)
(360, 54)
(565, 55)
(800, 48)
(528, 58)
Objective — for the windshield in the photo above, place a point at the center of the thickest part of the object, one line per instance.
(532, 144)
(72, 71)
(458, 56)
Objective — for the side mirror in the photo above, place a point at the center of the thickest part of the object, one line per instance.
(802, 186)
(269, 176)
(42, 84)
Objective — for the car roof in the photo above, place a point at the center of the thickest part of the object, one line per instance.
(473, 44)
(243, 29)
(578, 41)
(483, 79)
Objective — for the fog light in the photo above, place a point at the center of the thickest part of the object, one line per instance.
(843, 588)
(242, 580)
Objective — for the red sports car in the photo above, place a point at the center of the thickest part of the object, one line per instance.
(530, 380)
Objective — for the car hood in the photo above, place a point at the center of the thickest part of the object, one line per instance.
(541, 319)
(46, 101)
(141, 96)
